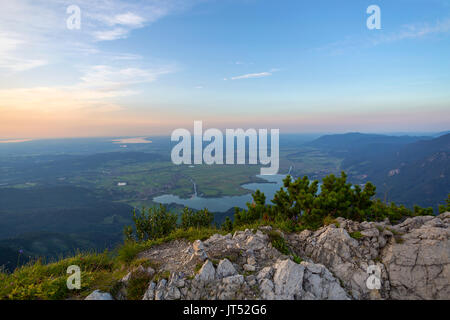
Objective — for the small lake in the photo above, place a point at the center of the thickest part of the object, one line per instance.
(221, 204)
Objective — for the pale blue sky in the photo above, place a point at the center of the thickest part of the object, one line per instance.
(146, 67)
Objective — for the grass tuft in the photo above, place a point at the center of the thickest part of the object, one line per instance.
(37, 281)
(278, 242)
(356, 235)
(137, 285)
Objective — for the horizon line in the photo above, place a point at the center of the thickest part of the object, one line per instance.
(28, 139)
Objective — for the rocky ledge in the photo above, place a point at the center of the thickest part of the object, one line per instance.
(341, 261)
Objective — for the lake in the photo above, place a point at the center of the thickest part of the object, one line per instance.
(222, 204)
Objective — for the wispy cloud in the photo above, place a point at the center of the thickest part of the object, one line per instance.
(9, 59)
(108, 20)
(114, 34)
(241, 63)
(33, 33)
(251, 75)
(414, 31)
(125, 19)
(406, 32)
(107, 77)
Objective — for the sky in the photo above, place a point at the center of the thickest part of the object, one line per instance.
(148, 67)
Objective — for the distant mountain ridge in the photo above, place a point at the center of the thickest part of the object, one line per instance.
(418, 173)
(406, 170)
(351, 140)
(443, 133)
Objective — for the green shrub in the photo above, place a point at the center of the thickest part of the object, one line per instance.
(300, 206)
(289, 225)
(161, 275)
(255, 210)
(196, 219)
(297, 259)
(128, 233)
(191, 234)
(128, 251)
(356, 235)
(197, 267)
(227, 225)
(278, 242)
(330, 220)
(137, 285)
(152, 224)
(418, 211)
(446, 207)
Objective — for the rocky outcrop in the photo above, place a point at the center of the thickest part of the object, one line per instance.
(246, 266)
(419, 265)
(344, 260)
(225, 269)
(411, 259)
(344, 256)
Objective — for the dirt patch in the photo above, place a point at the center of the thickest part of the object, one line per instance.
(174, 256)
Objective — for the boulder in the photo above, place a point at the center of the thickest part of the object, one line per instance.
(150, 293)
(255, 243)
(199, 250)
(225, 269)
(419, 264)
(234, 280)
(206, 273)
(266, 288)
(250, 268)
(320, 284)
(99, 295)
(346, 257)
(288, 280)
(160, 290)
(265, 273)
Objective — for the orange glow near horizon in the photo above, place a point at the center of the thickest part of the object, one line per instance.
(81, 122)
